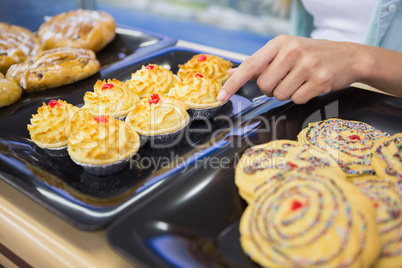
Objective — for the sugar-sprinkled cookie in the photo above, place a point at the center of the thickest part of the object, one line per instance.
(348, 142)
(309, 220)
(386, 196)
(387, 157)
(262, 162)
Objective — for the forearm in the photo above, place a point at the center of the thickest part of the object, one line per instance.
(379, 68)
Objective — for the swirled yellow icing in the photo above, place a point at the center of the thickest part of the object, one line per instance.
(197, 92)
(207, 65)
(151, 79)
(112, 98)
(165, 116)
(100, 142)
(48, 126)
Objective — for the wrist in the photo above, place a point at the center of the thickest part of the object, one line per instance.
(364, 64)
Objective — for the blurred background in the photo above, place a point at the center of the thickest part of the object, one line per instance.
(242, 26)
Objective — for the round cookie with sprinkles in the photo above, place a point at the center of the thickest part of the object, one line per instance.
(348, 142)
(263, 162)
(386, 196)
(259, 163)
(309, 220)
(387, 157)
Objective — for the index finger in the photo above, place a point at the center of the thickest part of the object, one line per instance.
(251, 67)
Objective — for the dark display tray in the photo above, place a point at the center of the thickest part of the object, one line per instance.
(90, 202)
(195, 222)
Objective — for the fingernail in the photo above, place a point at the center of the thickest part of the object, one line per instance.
(222, 95)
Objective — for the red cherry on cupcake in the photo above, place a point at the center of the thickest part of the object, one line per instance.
(154, 99)
(202, 58)
(150, 67)
(107, 86)
(53, 103)
(101, 119)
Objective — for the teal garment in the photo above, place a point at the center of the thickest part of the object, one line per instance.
(385, 29)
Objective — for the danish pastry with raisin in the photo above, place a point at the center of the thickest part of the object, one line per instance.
(10, 91)
(16, 44)
(54, 68)
(90, 29)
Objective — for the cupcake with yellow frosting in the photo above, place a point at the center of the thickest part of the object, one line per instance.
(49, 127)
(103, 145)
(160, 118)
(151, 79)
(111, 98)
(198, 93)
(208, 65)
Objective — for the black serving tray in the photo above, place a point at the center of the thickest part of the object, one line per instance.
(90, 202)
(195, 221)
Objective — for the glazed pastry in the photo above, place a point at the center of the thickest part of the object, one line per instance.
(103, 140)
(269, 161)
(207, 65)
(198, 92)
(54, 68)
(387, 157)
(112, 98)
(16, 44)
(386, 196)
(10, 91)
(89, 29)
(151, 79)
(48, 126)
(309, 220)
(348, 142)
(158, 114)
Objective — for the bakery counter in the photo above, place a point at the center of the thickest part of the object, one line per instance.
(51, 223)
(31, 235)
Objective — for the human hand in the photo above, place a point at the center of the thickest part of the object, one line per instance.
(297, 68)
